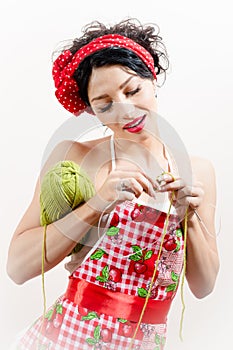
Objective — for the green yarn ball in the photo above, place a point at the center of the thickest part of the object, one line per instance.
(63, 188)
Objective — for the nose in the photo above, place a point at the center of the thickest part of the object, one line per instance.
(124, 110)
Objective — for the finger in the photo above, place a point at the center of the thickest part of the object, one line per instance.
(173, 186)
(193, 202)
(125, 196)
(164, 178)
(130, 185)
(189, 191)
(129, 171)
(145, 181)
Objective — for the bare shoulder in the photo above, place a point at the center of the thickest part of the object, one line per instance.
(71, 150)
(78, 150)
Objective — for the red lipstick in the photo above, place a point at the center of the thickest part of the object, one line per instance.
(136, 125)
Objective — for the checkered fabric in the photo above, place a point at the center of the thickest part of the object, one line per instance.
(77, 333)
(119, 249)
(123, 262)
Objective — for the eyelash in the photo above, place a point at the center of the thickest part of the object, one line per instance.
(106, 108)
(109, 105)
(133, 92)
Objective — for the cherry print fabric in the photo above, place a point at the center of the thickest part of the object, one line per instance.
(67, 90)
(123, 262)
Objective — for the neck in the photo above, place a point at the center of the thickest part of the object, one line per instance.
(149, 156)
(148, 141)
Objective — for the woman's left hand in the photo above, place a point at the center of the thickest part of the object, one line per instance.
(185, 196)
(198, 197)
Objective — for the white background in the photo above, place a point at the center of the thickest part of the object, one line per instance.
(196, 99)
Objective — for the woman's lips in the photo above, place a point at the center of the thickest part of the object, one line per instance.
(136, 125)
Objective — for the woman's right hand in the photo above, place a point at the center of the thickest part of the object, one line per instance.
(121, 185)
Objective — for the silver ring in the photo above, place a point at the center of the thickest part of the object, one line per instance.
(123, 186)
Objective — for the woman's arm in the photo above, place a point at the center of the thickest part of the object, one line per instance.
(202, 255)
(25, 251)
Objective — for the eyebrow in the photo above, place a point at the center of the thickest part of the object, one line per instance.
(121, 87)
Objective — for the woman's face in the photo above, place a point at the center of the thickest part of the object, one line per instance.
(121, 99)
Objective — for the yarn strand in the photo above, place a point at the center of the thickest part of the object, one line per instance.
(155, 270)
(64, 187)
(154, 274)
(183, 275)
(57, 188)
(43, 271)
(43, 252)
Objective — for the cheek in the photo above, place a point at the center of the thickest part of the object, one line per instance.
(106, 119)
(149, 100)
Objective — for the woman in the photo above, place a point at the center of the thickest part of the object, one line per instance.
(121, 289)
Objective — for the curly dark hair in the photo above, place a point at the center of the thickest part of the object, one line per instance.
(146, 35)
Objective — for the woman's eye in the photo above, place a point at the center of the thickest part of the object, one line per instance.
(133, 92)
(105, 108)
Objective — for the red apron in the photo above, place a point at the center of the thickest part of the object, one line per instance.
(106, 293)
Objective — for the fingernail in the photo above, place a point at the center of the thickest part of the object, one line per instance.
(166, 177)
(156, 187)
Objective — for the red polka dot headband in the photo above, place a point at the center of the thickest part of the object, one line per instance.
(67, 90)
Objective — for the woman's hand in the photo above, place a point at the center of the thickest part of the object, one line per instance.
(122, 184)
(198, 197)
(185, 196)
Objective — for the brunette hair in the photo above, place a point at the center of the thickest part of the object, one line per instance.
(146, 35)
